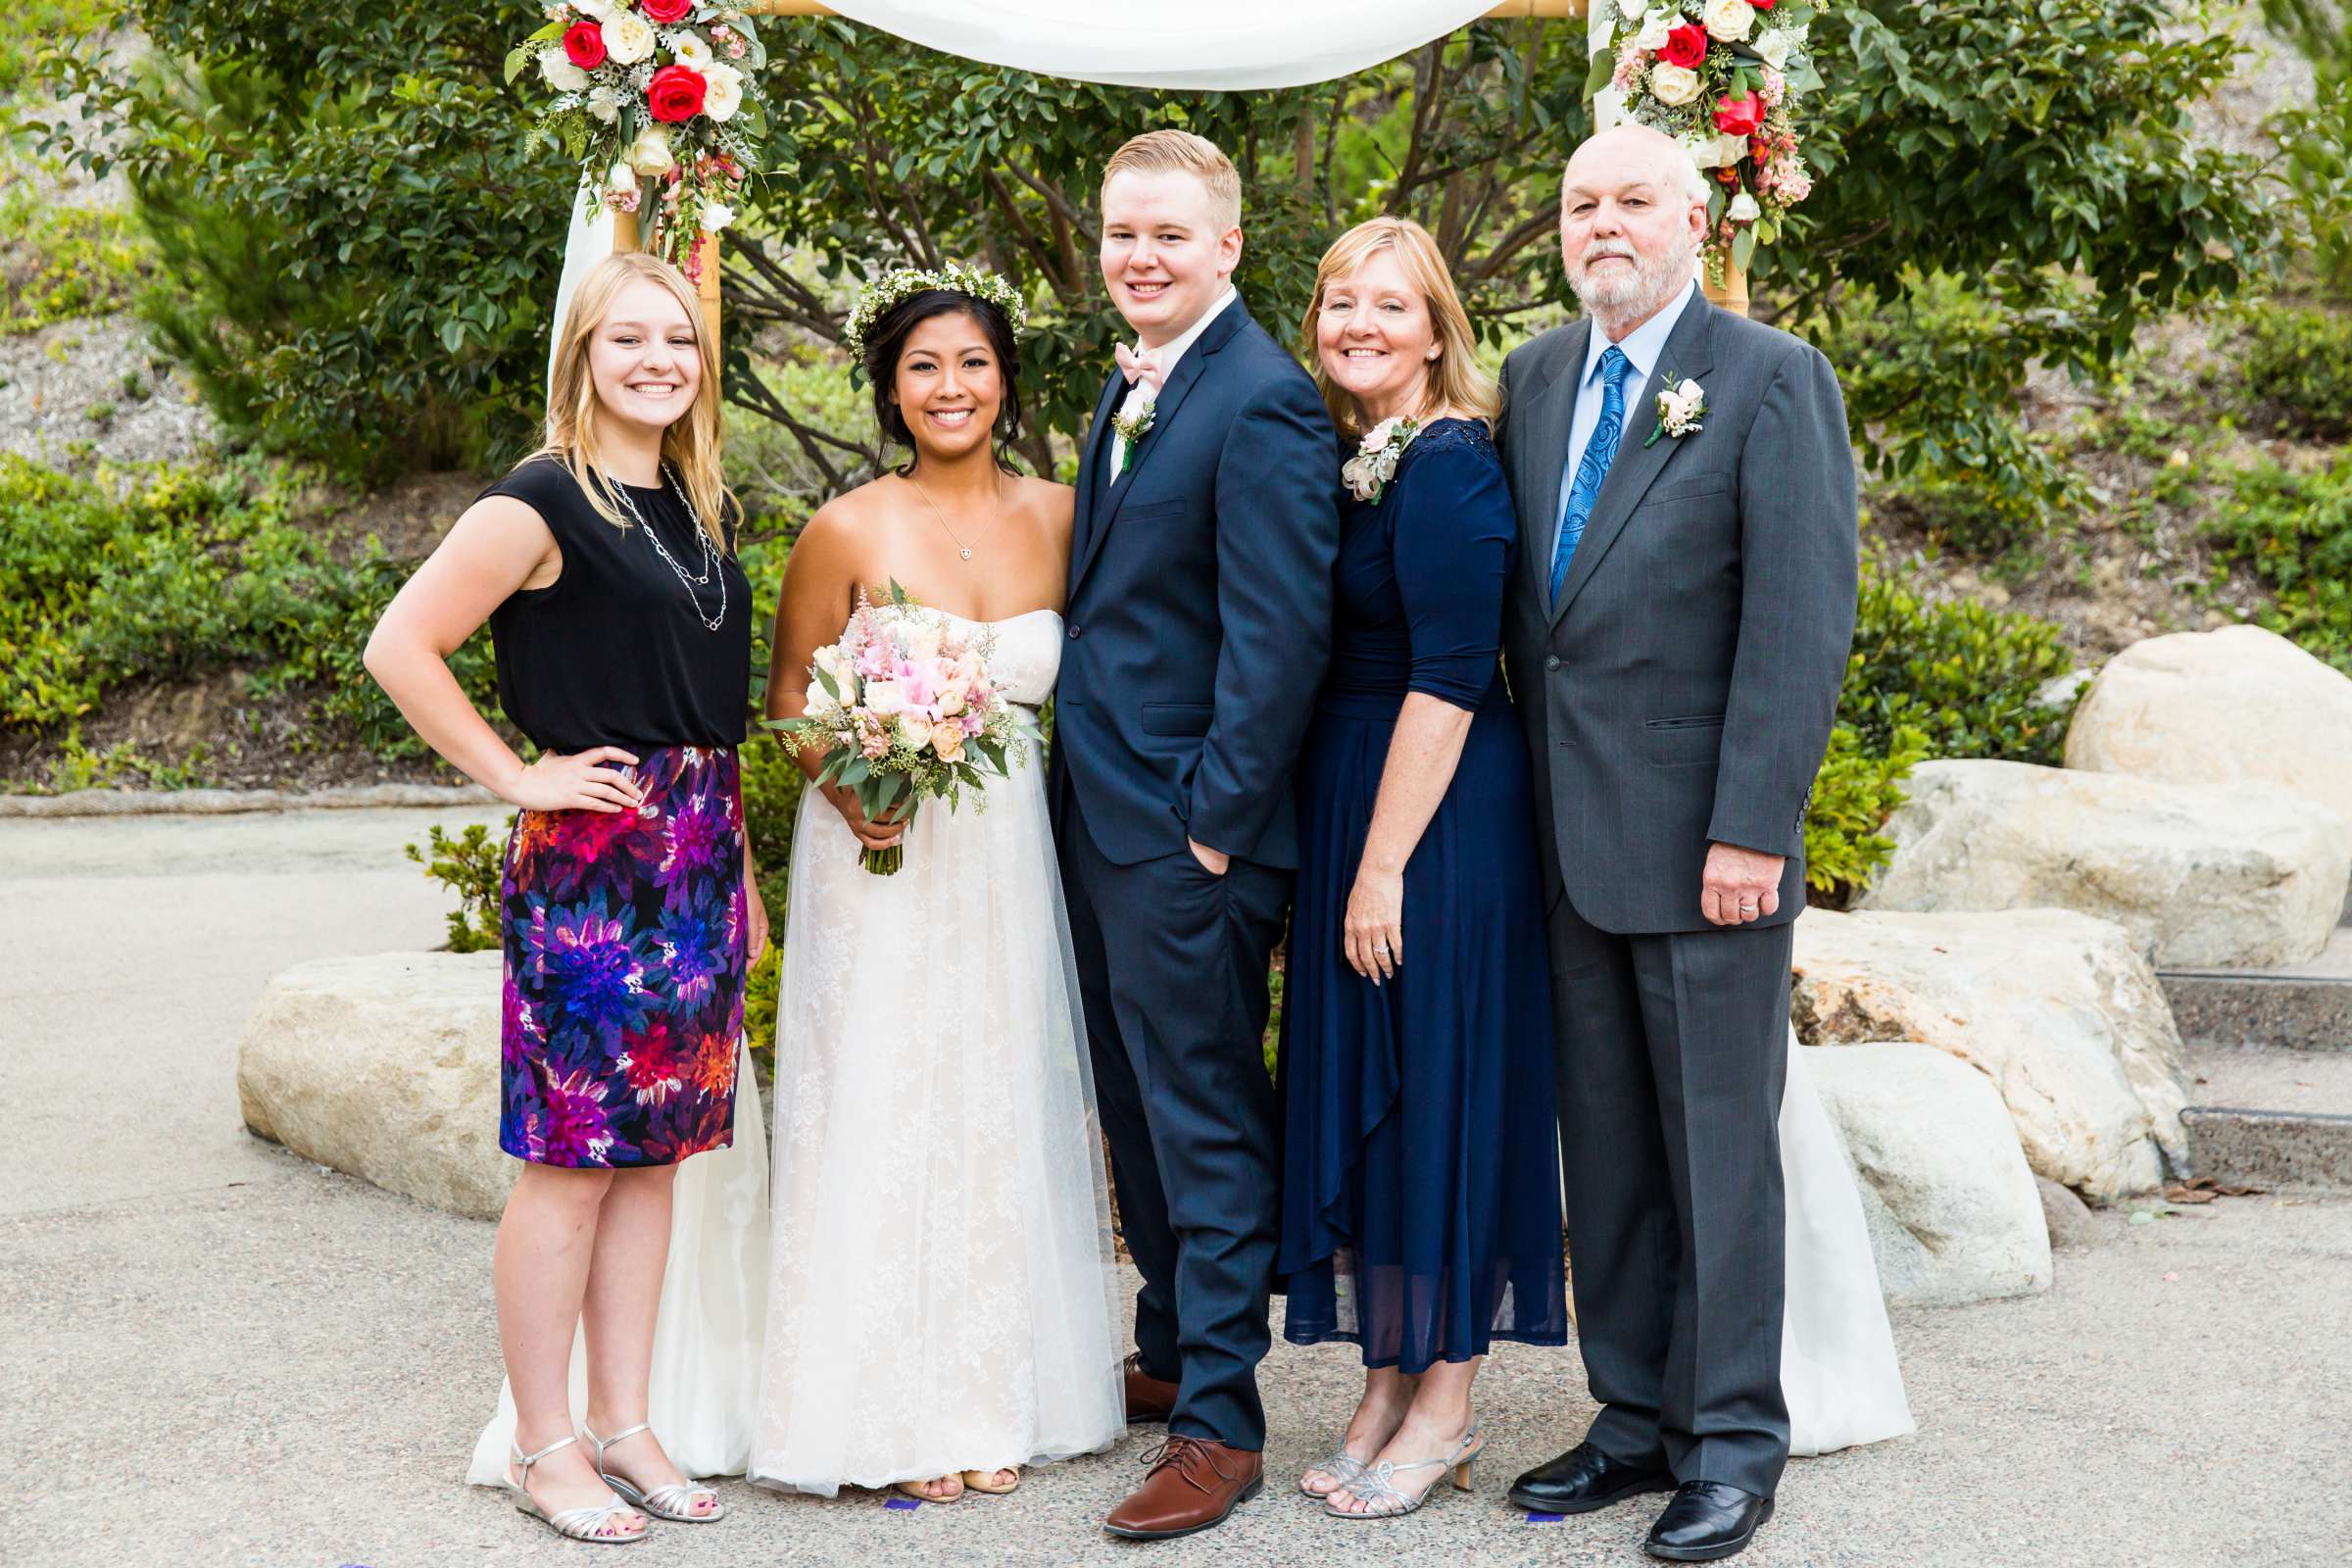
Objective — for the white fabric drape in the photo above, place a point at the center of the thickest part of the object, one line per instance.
(588, 242)
(1204, 45)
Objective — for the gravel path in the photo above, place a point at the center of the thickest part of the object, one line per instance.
(219, 1353)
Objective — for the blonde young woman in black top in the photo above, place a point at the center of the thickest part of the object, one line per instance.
(604, 566)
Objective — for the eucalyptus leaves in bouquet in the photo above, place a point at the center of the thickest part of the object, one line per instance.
(654, 91)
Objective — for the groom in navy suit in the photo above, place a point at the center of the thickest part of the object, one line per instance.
(1199, 619)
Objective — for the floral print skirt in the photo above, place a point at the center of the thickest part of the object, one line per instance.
(624, 938)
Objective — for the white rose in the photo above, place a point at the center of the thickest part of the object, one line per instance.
(598, 10)
(650, 153)
(1672, 85)
(1729, 149)
(718, 215)
(1773, 48)
(604, 103)
(628, 40)
(914, 729)
(559, 73)
(1729, 20)
(1743, 209)
(723, 91)
(622, 177)
(1652, 35)
(689, 49)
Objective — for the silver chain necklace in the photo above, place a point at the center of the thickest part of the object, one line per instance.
(710, 552)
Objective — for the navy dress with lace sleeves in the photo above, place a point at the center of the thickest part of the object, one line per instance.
(1421, 1189)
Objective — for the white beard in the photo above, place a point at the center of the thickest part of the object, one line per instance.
(1627, 296)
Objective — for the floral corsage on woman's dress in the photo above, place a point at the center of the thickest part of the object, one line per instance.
(1374, 465)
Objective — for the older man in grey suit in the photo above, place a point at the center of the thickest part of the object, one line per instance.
(1676, 639)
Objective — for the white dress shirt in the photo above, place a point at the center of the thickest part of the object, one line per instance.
(1170, 354)
(1643, 346)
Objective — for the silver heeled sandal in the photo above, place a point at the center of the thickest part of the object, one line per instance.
(1376, 1483)
(1342, 1464)
(573, 1524)
(673, 1502)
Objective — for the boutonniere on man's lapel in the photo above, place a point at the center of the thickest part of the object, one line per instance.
(1133, 428)
(1681, 408)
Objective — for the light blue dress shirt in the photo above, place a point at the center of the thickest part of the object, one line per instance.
(1643, 346)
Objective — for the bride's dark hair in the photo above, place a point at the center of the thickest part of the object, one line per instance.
(887, 341)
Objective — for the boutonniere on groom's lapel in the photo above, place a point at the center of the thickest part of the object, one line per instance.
(1681, 408)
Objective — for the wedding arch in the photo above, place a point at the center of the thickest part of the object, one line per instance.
(661, 100)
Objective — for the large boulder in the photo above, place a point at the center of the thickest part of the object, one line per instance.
(1954, 1215)
(2237, 705)
(386, 1068)
(2059, 1010)
(2204, 875)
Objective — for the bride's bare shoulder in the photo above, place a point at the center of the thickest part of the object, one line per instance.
(1054, 506)
(850, 521)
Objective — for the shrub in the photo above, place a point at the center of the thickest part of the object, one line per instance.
(60, 263)
(1853, 794)
(2298, 365)
(474, 867)
(167, 572)
(2295, 531)
(1964, 677)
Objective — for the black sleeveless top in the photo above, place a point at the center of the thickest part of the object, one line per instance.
(614, 651)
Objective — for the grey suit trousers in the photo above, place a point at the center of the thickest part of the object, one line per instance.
(1673, 1054)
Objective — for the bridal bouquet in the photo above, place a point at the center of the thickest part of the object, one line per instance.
(657, 91)
(905, 710)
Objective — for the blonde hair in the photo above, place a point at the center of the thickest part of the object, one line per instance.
(1180, 152)
(1457, 379)
(690, 445)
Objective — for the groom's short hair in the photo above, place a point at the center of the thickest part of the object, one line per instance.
(1180, 152)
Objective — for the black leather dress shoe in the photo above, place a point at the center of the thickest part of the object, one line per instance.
(1707, 1520)
(1582, 1480)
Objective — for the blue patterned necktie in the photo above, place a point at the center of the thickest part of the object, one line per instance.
(1594, 467)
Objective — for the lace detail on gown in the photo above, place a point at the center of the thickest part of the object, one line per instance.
(941, 1286)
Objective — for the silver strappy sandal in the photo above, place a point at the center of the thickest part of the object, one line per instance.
(1376, 1485)
(573, 1524)
(1342, 1464)
(674, 1501)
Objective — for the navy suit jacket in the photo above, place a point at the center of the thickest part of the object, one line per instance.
(1199, 608)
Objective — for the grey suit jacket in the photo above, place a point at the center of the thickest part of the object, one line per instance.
(1680, 692)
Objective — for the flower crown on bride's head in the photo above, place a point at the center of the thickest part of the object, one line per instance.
(904, 282)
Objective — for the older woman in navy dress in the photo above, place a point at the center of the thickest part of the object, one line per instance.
(1421, 1201)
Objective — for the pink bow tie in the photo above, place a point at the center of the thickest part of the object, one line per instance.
(1140, 365)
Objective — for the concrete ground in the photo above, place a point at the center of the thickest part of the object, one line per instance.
(219, 1353)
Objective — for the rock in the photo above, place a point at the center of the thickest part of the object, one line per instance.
(2069, 1219)
(2058, 1009)
(2202, 875)
(1953, 1214)
(384, 1067)
(2237, 705)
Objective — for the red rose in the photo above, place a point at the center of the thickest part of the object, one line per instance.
(1733, 117)
(1685, 46)
(1763, 4)
(666, 11)
(675, 94)
(584, 45)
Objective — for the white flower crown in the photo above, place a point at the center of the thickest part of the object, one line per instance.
(903, 282)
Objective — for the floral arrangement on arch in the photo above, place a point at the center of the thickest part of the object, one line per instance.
(659, 91)
(1719, 76)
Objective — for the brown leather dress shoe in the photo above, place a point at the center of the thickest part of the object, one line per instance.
(1148, 1398)
(1194, 1483)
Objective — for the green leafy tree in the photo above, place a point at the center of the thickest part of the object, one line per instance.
(363, 246)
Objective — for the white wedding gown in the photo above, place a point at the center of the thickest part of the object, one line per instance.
(941, 1291)
(937, 1290)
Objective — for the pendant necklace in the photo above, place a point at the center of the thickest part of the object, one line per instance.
(962, 549)
(711, 553)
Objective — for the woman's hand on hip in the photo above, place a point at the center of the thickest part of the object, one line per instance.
(1373, 936)
(578, 782)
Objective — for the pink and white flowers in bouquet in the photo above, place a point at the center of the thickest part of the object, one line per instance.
(1720, 76)
(654, 90)
(905, 710)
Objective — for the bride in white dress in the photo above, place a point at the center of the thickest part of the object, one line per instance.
(940, 1307)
